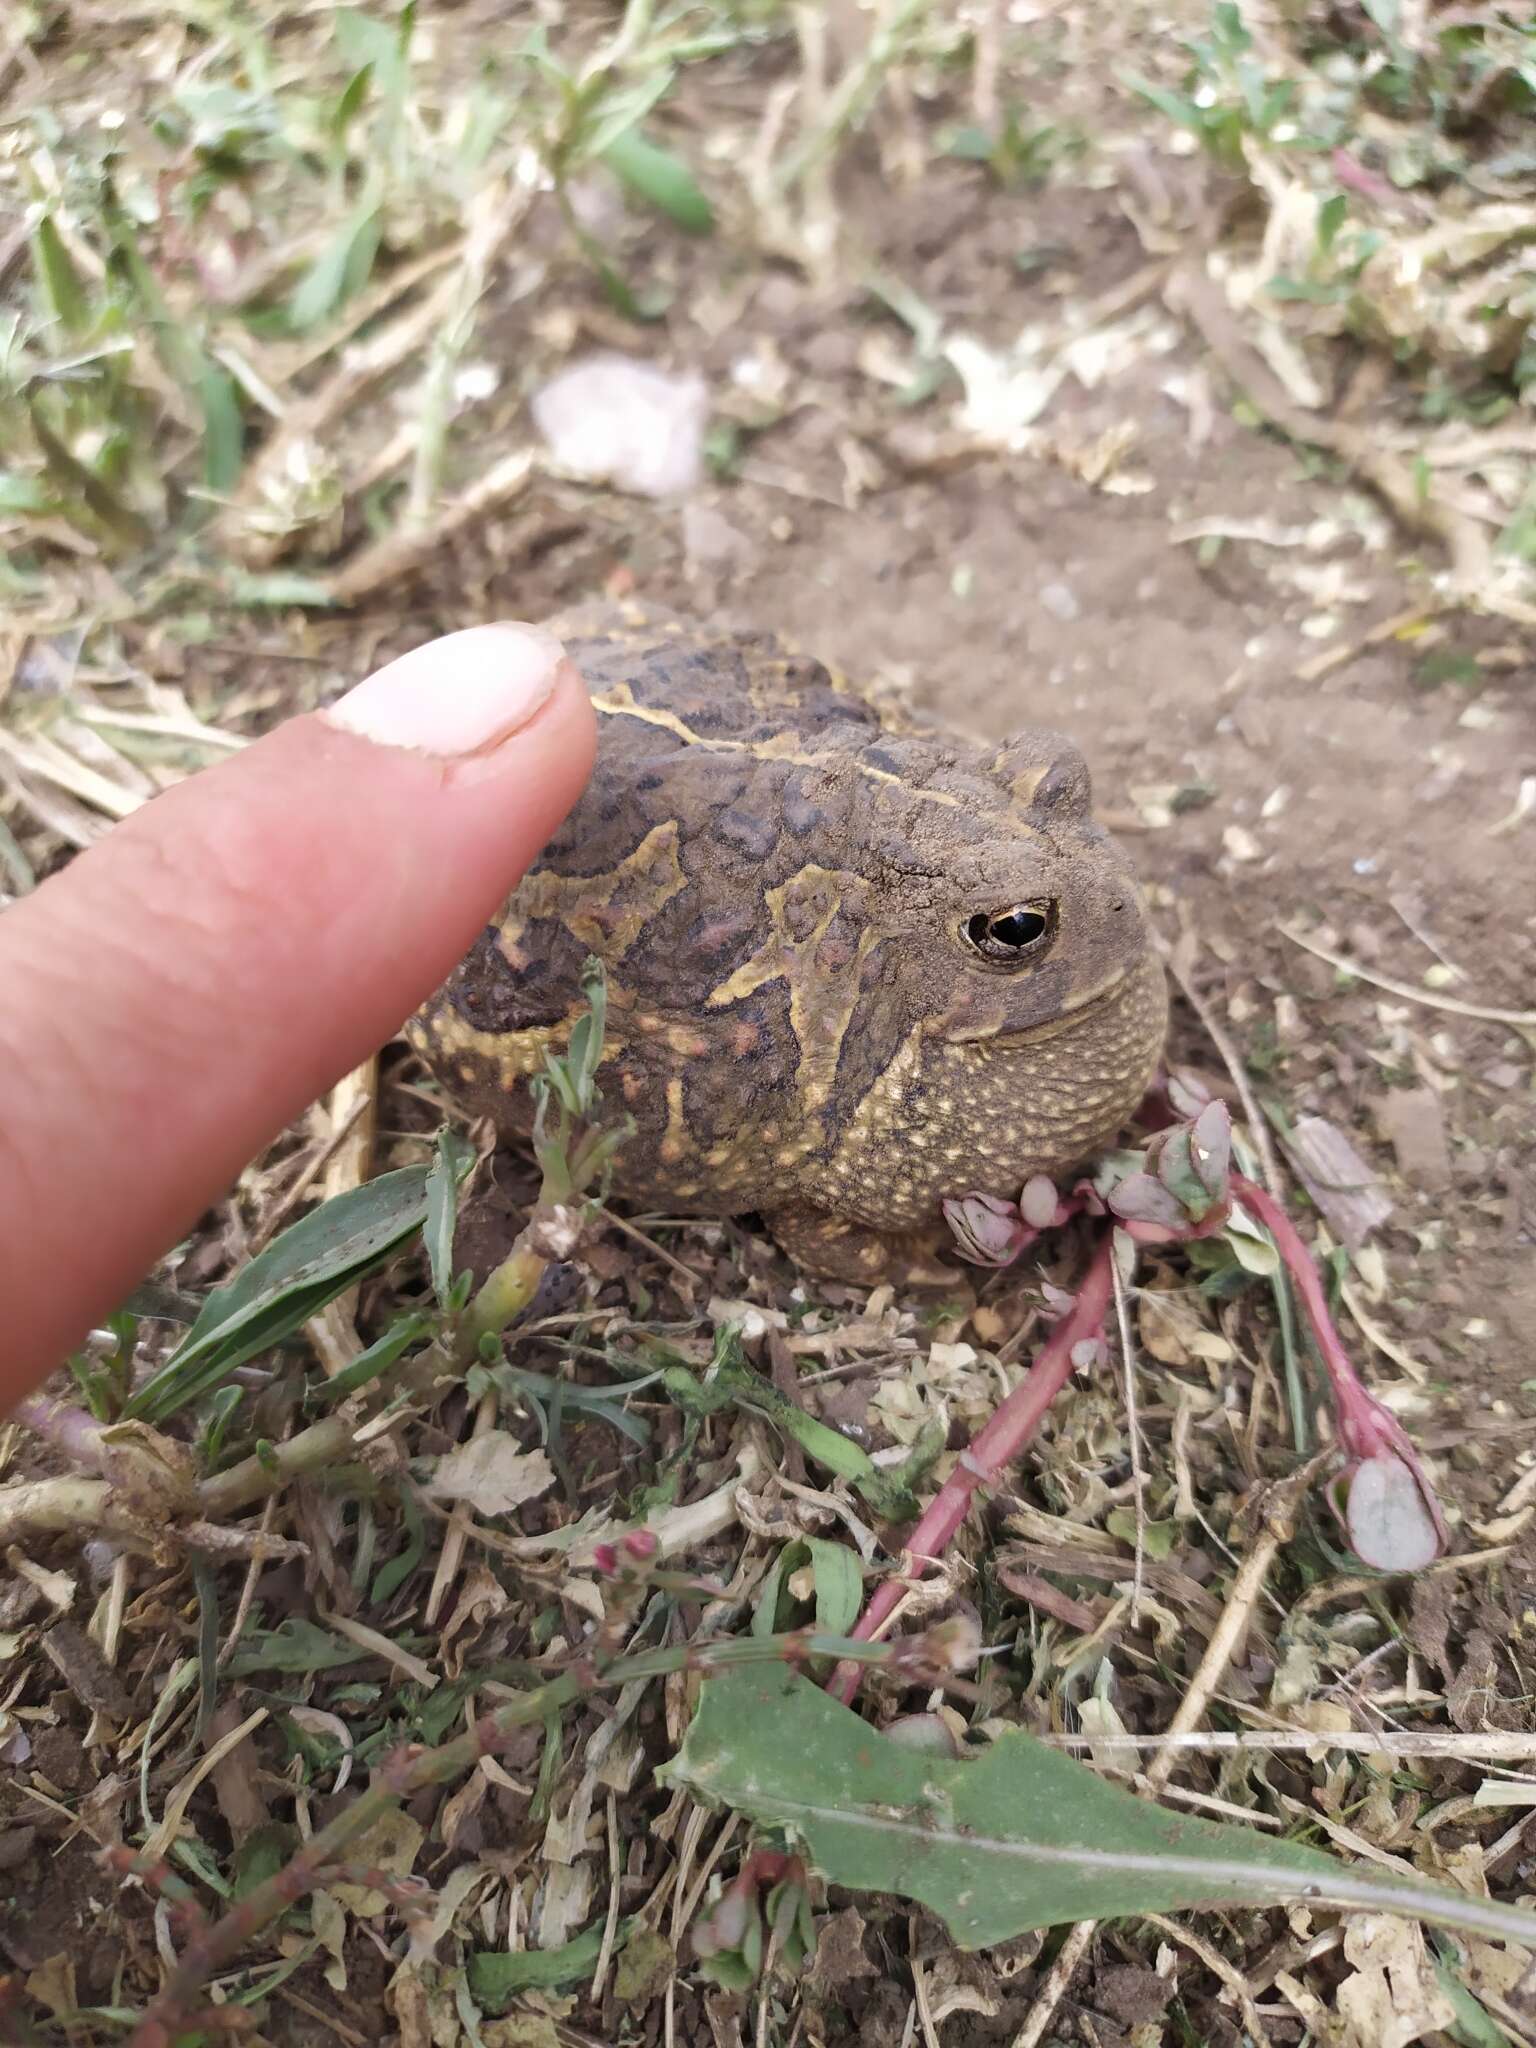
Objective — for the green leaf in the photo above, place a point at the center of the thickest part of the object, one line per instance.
(368, 44)
(399, 1568)
(380, 1355)
(661, 179)
(451, 1162)
(295, 1646)
(615, 113)
(1174, 106)
(308, 1265)
(74, 477)
(495, 1978)
(1158, 1538)
(1472, 2027)
(23, 494)
(278, 587)
(1252, 1244)
(262, 1854)
(1017, 1838)
(59, 278)
(353, 94)
(223, 426)
(342, 267)
(838, 1588)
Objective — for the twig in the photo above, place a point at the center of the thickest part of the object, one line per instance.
(923, 2003)
(611, 1924)
(53, 1507)
(312, 1450)
(1279, 1506)
(1332, 658)
(452, 1552)
(1231, 1059)
(1485, 1013)
(399, 552)
(1493, 1746)
(852, 93)
(253, 1572)
(1052, 1991)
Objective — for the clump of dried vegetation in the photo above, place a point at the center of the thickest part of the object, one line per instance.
(436, 1634)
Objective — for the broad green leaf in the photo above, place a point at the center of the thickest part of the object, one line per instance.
(661, 179)
(495, 1978)
(1181, 111)
(1016, 1838)
(262, 1854)
(839, 1585)
(308, 1265)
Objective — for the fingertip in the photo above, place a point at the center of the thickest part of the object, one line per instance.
(460, 696)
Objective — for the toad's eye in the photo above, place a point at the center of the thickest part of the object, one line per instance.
(1010, 935)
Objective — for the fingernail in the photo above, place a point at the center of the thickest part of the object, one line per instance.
(455, 697)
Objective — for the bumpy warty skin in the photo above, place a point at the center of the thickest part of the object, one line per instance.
(784, 885)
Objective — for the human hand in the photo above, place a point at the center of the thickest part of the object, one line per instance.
(180, 992)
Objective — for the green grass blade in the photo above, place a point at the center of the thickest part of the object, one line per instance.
(661, 179)
(308, 1265)
(61, 282)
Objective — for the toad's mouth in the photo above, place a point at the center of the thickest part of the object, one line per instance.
(1073, 1010)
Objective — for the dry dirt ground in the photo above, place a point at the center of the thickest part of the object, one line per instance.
(1200, 619)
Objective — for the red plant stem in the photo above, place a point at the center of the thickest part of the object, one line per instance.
(1367, 1427)
(997, 1444)
(1302, 1267)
